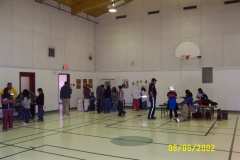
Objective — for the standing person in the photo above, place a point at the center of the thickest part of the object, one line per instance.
(92, 102)
(120, 102)
(114, 99)
(107, 98)
(65, 95)
(32, 105)
(99, 92)
(172, 96)
(26, 105)
(12, 91)
(86, 97)
(144, 98)
(136, 95)
(152, 98)
(7, 107)
(40, 103)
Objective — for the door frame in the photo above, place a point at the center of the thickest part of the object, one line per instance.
(68, 80)
(31, 76)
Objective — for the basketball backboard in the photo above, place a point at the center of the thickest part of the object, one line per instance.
(187, 48)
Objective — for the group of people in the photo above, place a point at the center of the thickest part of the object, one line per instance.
(187, 104)
(109, 99)
(9, 98)
(139, 98)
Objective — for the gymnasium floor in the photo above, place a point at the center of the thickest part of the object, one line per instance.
(91, 136)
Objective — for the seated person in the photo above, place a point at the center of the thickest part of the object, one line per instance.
(183, 115)
(203, 97)
(199, 94)
(189, 102)
(183, 102)
(186, 108)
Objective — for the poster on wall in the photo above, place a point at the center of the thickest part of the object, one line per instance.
(125, 84)
(90, 82)
(113, 82)
(84, 82)
(78, 83)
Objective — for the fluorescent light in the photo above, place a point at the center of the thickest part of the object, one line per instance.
(112, 10)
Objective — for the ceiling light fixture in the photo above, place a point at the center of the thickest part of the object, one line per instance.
(112, 8)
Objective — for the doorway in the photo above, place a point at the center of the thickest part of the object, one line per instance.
(27, 81)
(62, 78)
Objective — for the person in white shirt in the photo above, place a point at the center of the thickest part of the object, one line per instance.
(136, 95)
(199, 94)
(144, 98)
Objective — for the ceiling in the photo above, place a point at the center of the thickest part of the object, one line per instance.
(94, 8)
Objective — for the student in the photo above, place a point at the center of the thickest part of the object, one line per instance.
(136, 95)
(114, 99)
(120, 101)
(183, 102)
(183, 115)
(99, 92)
(107, 98)
(20, 108)
(86, 96)
(92, 102)
(172, 96)
(7, 107)
(40, 103)
(199, 94)
(144, 98)
(26, 105)
(203, 97)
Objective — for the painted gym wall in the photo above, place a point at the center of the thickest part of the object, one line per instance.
(47, 79)
(28, 29)
(148, 42)
(142, 46)
(223, 90)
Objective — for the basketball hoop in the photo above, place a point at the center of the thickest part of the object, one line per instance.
(186, 57)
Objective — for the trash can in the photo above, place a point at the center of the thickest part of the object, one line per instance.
(80, 105)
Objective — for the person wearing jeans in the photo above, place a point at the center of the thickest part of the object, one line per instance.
(107, 98)
(114, 99)
(26, 105)
(40, 103)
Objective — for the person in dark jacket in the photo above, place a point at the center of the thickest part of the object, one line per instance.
(114, 99)
(40, 103)
(86, 97)
(65, 95)
(99, 92)
(107, 98)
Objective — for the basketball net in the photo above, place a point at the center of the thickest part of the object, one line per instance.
(184, 60)
(186, 56)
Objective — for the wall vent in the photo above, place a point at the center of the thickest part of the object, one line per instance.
(231, 2)
(51, 52)
(189, 7)
(207, 75)
(153, 12)
(120, 17)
